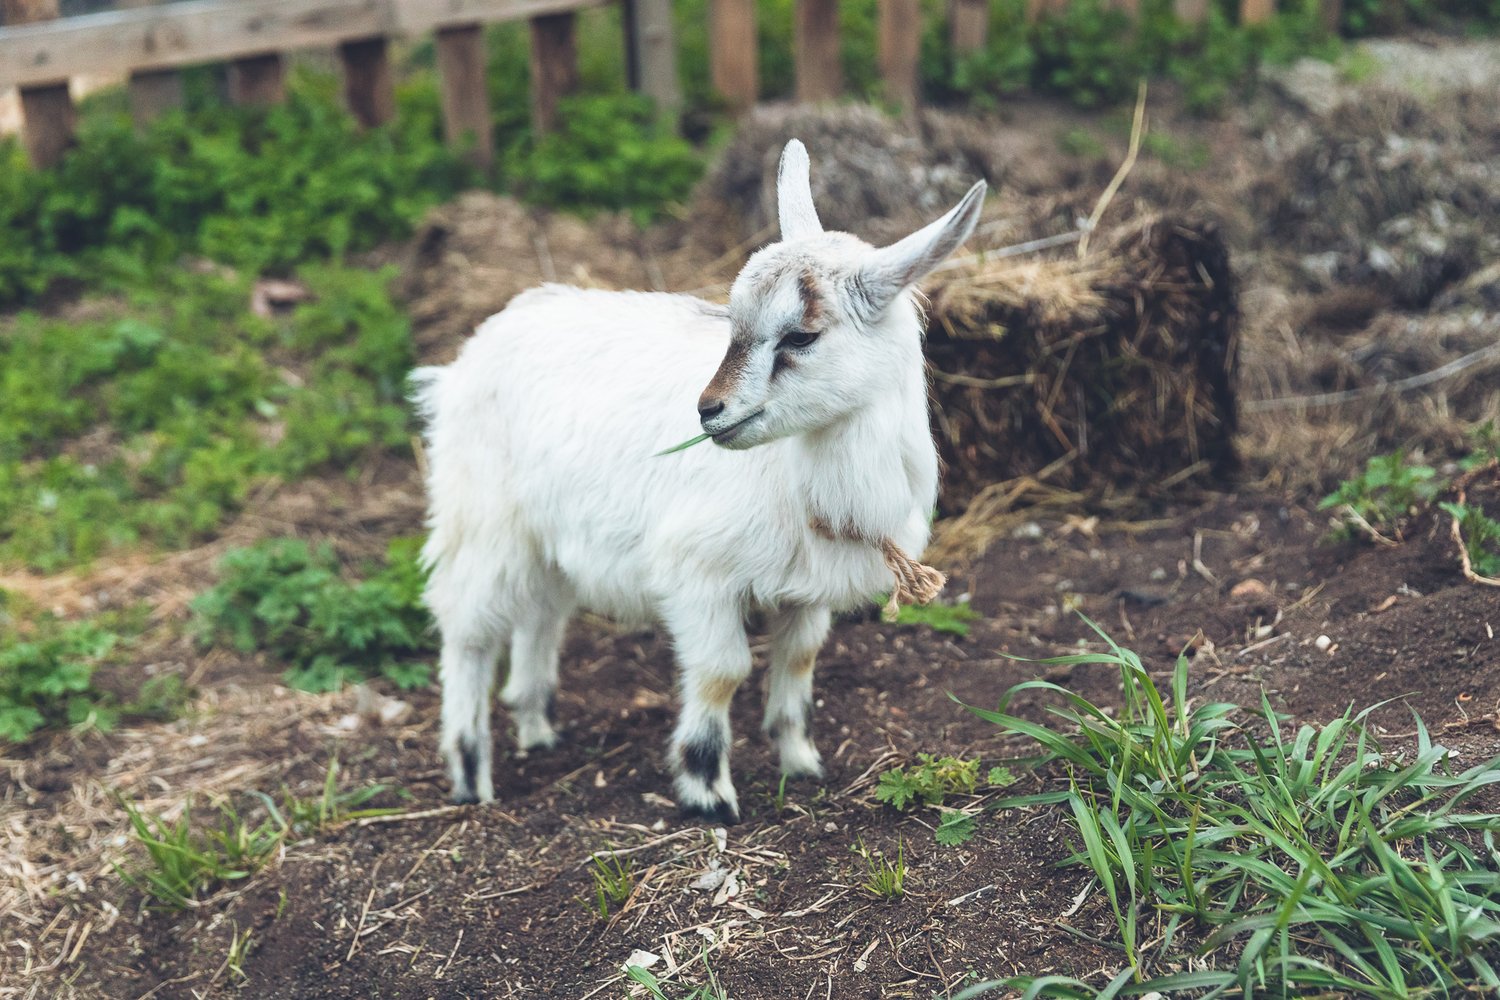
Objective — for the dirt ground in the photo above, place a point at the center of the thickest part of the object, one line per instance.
(445, 901)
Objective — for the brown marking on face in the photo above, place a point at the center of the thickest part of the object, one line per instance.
(812, 302)
(736, 360)
(719, 691)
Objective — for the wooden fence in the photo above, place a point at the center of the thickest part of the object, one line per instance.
(39, 52)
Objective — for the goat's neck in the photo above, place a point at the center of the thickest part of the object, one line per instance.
(863, 476)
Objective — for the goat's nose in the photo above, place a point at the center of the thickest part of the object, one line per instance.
(708, 408)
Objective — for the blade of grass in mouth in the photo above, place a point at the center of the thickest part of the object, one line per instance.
(686, 444)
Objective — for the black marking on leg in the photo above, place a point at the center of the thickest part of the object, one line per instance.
(468, 757)
(551, 708)
(807, 717)
(776, 730)
(721, 813)
(701, 757)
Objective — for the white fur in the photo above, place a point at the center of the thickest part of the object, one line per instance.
(546, 494)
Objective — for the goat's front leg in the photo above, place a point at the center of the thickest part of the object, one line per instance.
(713, 658)
(796, 636)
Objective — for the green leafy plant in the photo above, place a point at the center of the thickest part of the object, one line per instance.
(1481, 536)
(1318, 861)
(950, 618)
(1383, 496)
(710, 990)
(47, 675)
(614, 880)
(1484, 446)
(302, 817)
(955, 828)
(929, 782)
(608, 152)
(884, 878)
(181, 862)
(290, 600)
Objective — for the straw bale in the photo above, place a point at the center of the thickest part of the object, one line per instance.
(1112, 371)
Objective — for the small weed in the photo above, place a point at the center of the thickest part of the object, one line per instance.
(930, 781)
(240, 945)
(1082, 143)
(181, 862)
(1174, 152)
(47, 675)
(614, 881)
(1481, 537)
(306, 816)
(1381, 498)
(1484, 444)
(778, 798)
(884, 879)
(951, 618)
(956, 828)
(711, 990)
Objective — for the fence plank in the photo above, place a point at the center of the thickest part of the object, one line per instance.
(1256, 11)
(198, 31)
(820, 74)
(153, 93)
(733, 52)
(653, 54)
(368, 89)
(554, 66)
(257, 80)
(466, 101)
(968, 25)
(900, 31)
(47, 114)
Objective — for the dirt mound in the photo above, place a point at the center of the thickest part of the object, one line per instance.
(873, 175)
(1391, 192)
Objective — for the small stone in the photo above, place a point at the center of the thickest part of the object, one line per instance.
(1158, 574)
(1322, 643)
(1028, 531)
(393, 711)
(1249, 592)
(830, 827)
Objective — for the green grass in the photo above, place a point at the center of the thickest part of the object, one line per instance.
(884, 878)
(709, 990)
(614, 880)
(48, 667)
(953, 619)
(183, 862)
(293, 602)
(306, 816)
(1307, 860)
(152, 419)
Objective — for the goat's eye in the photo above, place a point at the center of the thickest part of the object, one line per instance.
(797, 338)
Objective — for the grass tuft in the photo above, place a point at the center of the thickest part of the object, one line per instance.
(884, 878)
(1316, 861)
(614, 881)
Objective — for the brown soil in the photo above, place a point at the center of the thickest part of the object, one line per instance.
(448, 901)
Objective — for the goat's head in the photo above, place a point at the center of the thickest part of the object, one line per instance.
(821, 322)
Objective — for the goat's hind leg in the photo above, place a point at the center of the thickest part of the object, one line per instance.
(467, 668)
(796, 636)
(531, 685)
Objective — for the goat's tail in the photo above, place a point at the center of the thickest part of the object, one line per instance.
(426, 387)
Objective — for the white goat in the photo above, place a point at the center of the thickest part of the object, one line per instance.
(547, 493)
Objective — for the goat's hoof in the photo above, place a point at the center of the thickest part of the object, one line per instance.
(720, 813)
(464, 799)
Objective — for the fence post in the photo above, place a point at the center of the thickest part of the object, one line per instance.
(466, 101)
(1256, 11)
(733, 52)
(368, 90)
(900, 30)
(652, 55)
(47, 109)
(820, 75)
(554, 66)
(257, 80)
(968, 25)
(1191, 11)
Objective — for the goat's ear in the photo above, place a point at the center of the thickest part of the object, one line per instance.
(892, 268)
(794, 204)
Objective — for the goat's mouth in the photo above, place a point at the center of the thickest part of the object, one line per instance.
(728, 434)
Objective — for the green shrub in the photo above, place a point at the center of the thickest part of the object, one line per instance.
(1382, 497)
(608, 152)
(290, 601)
(47, 675)
(260, 189)
(153, 424)
(1481, 537)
